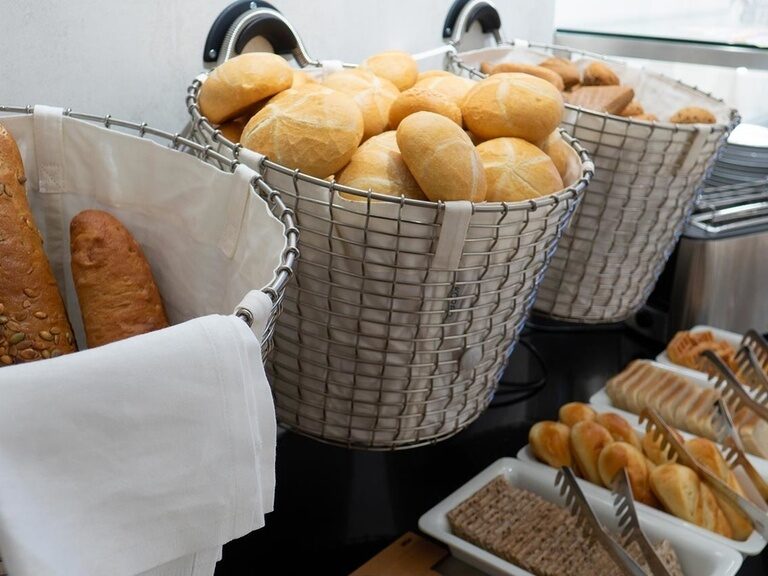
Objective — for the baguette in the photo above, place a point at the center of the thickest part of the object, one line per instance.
(33, 320)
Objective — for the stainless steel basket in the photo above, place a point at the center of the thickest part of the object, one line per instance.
(404, 312)
(648, 175)
(276, 288)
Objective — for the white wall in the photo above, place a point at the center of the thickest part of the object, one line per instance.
(134, 59)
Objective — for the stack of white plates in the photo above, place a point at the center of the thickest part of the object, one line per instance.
(744, 157)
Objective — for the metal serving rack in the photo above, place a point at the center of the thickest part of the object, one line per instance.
(648, 175)
(579, 507)
(276, 288)
(382, 343)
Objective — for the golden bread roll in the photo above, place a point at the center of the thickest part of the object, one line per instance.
(372, 94)
(377, 165)
(566, 69)
(550, 442)
(422, 99)
(432, 74)
(316, 131)
(115, 287)
(232, 130)
(610, 99)
(441, 158)
(619, 428)
(693, 115)
(707, 454)
(561, 154)
(599, 74)
(646, 117)
(588, 439)
(652, 449)
(33, 320)
(514, 105)
(475, 140)
(632, 109)
(237, 84)
(517, 170)
(301, 78)
(538, 71)
(620, 455)
(682, 494)
(398, 67)
(573, 412)
(455, 87)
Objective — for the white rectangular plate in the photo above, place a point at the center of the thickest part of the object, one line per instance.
(698, 556)
(731, 337)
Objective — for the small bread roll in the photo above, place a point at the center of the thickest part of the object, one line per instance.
(561, 154)
(315, 130)
(517, 170)
(378, 166)
(300, 78)
(620, 455)
(550, 442)
(455, 87)
(441, 158)
(693, 115)
(646, 117)
(632, 109)
(239, 83)
(232, 130)
(514, 105)
(398, 67)
(598, 74)
(431, 74)
(573, 412)
(652, 449)
(372, 94)
(538, 71)
(566, 69)
(417, 99)
(587, 441)
(619, 428)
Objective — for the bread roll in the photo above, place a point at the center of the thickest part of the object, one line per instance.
(441, 158)
(514, 105)
(372, 94)
(693, 115)
(632, 109)
(232, 130)
(33, 320)
(682, 493)
(562, 156)
(550, 442)
(117, 293)
(610, 99)
(517, 170)
(422, 99)
(316, 131)
(455, 87)
(588, 439)
(573, 412)
(619, 428)
(538, 71)
(398, 67)
(599, 74)
(566, 69)
(301, 78)
(239, 83)
(431, 74)
(620, 455)
(646, 117)
(652, 449)
(377, 165)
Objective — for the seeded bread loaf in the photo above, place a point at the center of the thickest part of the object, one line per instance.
(33, 320)
(117, 293)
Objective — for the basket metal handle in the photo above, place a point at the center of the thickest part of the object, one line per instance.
(224, 22)
(463, 13)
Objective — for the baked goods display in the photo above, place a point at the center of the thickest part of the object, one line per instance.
(686, 347)
(317, 125)
(537, 535)
(115, 288)
(33, 320)
(601, 444)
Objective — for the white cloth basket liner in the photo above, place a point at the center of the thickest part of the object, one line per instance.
(647, 177)
(210, 240)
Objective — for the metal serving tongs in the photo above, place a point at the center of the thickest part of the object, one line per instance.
(588, 522)
(734, 452)
(655, 425)
(754, 340)
(631, 531)
(734, 392)
(753, 372)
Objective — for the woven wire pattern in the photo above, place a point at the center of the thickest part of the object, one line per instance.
(628, 224)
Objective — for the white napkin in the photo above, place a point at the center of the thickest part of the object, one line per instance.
(128, 457)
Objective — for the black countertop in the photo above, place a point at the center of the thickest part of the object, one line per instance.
(335, 508)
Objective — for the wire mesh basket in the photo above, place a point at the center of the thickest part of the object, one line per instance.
(648, 175)
(281, 274)
(404, 312)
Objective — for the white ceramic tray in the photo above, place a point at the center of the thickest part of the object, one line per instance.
(731, 337)
(698, 556)
(752, 546)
